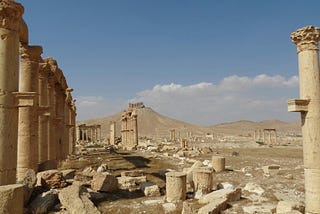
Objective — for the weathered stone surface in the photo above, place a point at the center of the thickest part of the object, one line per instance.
(68, 173)
(11, 199)
(44, 202)
(271, 170)
(29, 182)
(202, 179)
(104, 182)
(102, 168)
(176, 186)
(263, 209)
(74, 199)
(83, 178)
(225, 185)
(191, 207)
(150, 189)
(51, 179)
(214, 207)
(133, 173)
(48, 165)
(130, 183)
(169, 208)
(190, 172)
(289, 206)
(254, 188)
(230, 195)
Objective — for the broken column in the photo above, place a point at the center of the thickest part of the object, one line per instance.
(176, 184)
(306, 40)
(202, 179)
(218, 163)
(28, 148)
(112, 132)
(10, 17)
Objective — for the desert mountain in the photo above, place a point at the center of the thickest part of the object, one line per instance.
(153, 124)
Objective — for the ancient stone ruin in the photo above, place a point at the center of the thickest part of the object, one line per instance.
(129, 127)
(38, 113)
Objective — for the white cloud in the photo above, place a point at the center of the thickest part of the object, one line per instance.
(234, 98)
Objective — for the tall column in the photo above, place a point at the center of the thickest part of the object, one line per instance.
(112, 132)
(10, 19)
(306, 40)
(135, 129)
(28, 112)
(44, 123)
(52, 147)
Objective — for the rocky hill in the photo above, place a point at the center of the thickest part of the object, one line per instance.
(153, 124)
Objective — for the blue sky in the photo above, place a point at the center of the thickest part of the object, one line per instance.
(161, 51)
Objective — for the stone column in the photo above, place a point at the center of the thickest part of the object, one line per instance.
(112, 132)
(52, 147)
(218, 163)
(275, 137)
(10, 17)
(135, 129)
(176, 186)
(28, 112)
(306, 40)
(202, 178)
(44, 120)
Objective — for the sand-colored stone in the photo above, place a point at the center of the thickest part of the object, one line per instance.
(176, 184)
(10, 21)
(202, 179)
(112, 132)
(28, 147)
(11, 199)
(129, 129)
(306, 39)
(218, 163)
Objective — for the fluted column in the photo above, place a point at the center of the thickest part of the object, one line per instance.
(44, 114)
(10, 19)
(52, 147)
(28, 113)
(306, 40)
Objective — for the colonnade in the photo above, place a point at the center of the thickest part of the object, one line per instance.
(37, 111)
(89, 133)
(260, 135)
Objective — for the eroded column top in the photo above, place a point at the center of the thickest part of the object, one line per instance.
(10, 15)
(306, 38)
(31, 53)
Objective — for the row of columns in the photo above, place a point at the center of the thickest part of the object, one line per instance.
(90, 133)
(37, 112)
(260, 135)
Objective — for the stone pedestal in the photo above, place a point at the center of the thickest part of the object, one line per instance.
(218, 163)
(10, 19)
(306, 40)
(28, 112)
(202, 179)
(176, 184)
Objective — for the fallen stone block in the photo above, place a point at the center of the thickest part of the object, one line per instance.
(68, 173)
(83, 178)
(104, 183)
(76, 201)
(169, 208)
(150, 189)
(130, 183)
(29, 181)
(214, 207)
(11, 199)
(190, 207)
(51, 179)
(225, 185)
(44, 202)
(263, 208)
(254, 188)
(271, 170)
(289, 206)
(230, 195)
(102, 168)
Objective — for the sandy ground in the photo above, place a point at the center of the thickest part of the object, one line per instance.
(243, 163)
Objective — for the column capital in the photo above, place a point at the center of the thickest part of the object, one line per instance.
(306, 38)
(10, 15)
(44, 69)
(31, 53)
